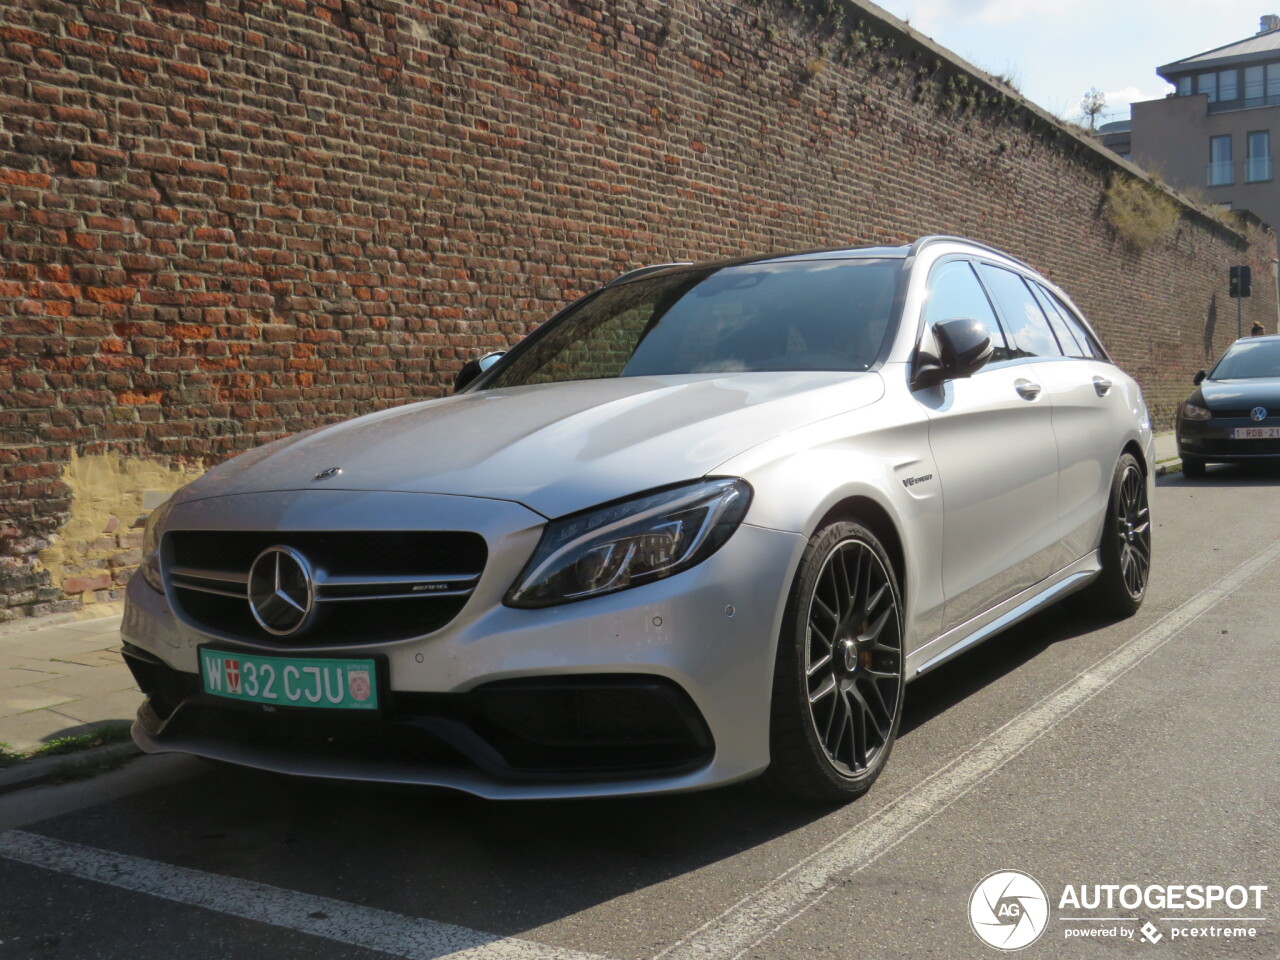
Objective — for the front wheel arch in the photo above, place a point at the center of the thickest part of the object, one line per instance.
(870, 514)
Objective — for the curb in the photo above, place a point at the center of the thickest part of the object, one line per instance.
(1168, 466)
(42, 770)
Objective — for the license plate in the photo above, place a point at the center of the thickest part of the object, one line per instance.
(1255, 433)
(290, 681)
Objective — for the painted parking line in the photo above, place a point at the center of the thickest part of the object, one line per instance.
(759, 915)
(337, 920)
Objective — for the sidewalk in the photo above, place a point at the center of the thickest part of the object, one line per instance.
(61, 678)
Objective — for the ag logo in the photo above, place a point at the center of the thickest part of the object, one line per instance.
(1008, 910)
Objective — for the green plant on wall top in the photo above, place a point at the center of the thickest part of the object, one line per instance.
(1137, 212)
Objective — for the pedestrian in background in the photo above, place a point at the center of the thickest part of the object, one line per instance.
(1258, 330)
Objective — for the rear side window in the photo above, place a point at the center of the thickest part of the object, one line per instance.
(954, 292)
(1028, 327)
(1088, 345)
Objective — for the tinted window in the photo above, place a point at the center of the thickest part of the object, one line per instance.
(796, 315)
(1029, 331)
(1089, 346)
(1066, 336)
(954, 292)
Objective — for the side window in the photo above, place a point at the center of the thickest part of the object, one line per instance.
(1066, 336)
(1089, 343)
(1029, 331)
(954, 291)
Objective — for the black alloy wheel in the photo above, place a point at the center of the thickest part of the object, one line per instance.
(839, 685)
(1125, 549)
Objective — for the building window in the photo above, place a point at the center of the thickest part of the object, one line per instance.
(1221, 173)
(1184, 86)
(1229, 85)
(1273, 80)
(1208, 83)
(1255, 85)
(1257, 165)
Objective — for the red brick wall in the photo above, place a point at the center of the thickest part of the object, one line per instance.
(223, 221)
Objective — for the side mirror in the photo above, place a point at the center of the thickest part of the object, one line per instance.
(473, 368)
(1199, 378)
(964, 346)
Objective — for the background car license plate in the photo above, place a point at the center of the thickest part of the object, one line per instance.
(1255, 433)
(290, 681)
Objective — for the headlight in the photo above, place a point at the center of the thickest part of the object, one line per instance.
(1193, 411)
(629, 543)
(151, 545)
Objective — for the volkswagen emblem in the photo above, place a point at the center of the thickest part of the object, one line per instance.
(1258, 413)
(328, 473)
(281, 591)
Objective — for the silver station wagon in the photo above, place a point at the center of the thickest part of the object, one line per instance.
(704, 525)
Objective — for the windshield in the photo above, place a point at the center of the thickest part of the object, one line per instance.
(1249, 360)
(796, 315)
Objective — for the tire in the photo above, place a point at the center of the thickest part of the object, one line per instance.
(1125, 549)
(1192, 466)
(838, 687)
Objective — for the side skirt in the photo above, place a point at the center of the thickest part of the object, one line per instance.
(969, 634)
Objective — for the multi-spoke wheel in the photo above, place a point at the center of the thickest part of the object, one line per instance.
(838, 687)
(1126, 543)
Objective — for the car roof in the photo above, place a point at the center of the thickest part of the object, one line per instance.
(835, 253)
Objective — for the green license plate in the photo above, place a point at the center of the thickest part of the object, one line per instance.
(290, 681)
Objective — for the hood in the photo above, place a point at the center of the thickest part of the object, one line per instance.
(555, 447)
(1242, 394)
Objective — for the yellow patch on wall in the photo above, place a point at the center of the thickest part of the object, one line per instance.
(99, 545)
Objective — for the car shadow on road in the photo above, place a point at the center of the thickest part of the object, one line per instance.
(938, 691)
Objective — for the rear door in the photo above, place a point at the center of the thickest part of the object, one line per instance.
(1089, 407)
(992, 440)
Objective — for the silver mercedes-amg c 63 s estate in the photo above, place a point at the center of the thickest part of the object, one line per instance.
(703, 525)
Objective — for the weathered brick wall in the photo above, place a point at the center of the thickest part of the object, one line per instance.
(222, 221)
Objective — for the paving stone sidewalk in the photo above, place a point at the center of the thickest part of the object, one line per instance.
(61, 680)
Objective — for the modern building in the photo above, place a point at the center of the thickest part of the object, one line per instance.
(1217, 131)
(1117, 137)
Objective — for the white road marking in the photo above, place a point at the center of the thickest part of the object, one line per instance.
(346, 923)
(759, 915)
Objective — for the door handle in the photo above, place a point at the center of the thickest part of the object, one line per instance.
(1102, 386)
(1026, 389)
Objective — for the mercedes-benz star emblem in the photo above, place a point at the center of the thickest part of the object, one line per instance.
(327, 473)
(281, 590)
(1258, 413)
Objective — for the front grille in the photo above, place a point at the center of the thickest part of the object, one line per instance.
(369, 587)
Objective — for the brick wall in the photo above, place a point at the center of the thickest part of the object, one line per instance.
(223, 221)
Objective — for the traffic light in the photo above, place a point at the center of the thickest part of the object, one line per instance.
(1241, 278)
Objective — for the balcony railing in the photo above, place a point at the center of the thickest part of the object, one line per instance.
(1222, 173)
(1244, 103)
(1257, 168)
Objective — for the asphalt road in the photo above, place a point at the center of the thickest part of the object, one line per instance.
(1141, 755)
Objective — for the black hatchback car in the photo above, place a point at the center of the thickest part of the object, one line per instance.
(1234, 413)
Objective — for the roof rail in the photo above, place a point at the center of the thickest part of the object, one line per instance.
(943, 238)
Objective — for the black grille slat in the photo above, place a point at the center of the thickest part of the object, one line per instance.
(371, 586)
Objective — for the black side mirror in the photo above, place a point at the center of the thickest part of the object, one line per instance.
(473, 368)
(1199, 378)
(964, 345)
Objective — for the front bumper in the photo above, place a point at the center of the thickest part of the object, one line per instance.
(662, 688)
(1212, 440)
